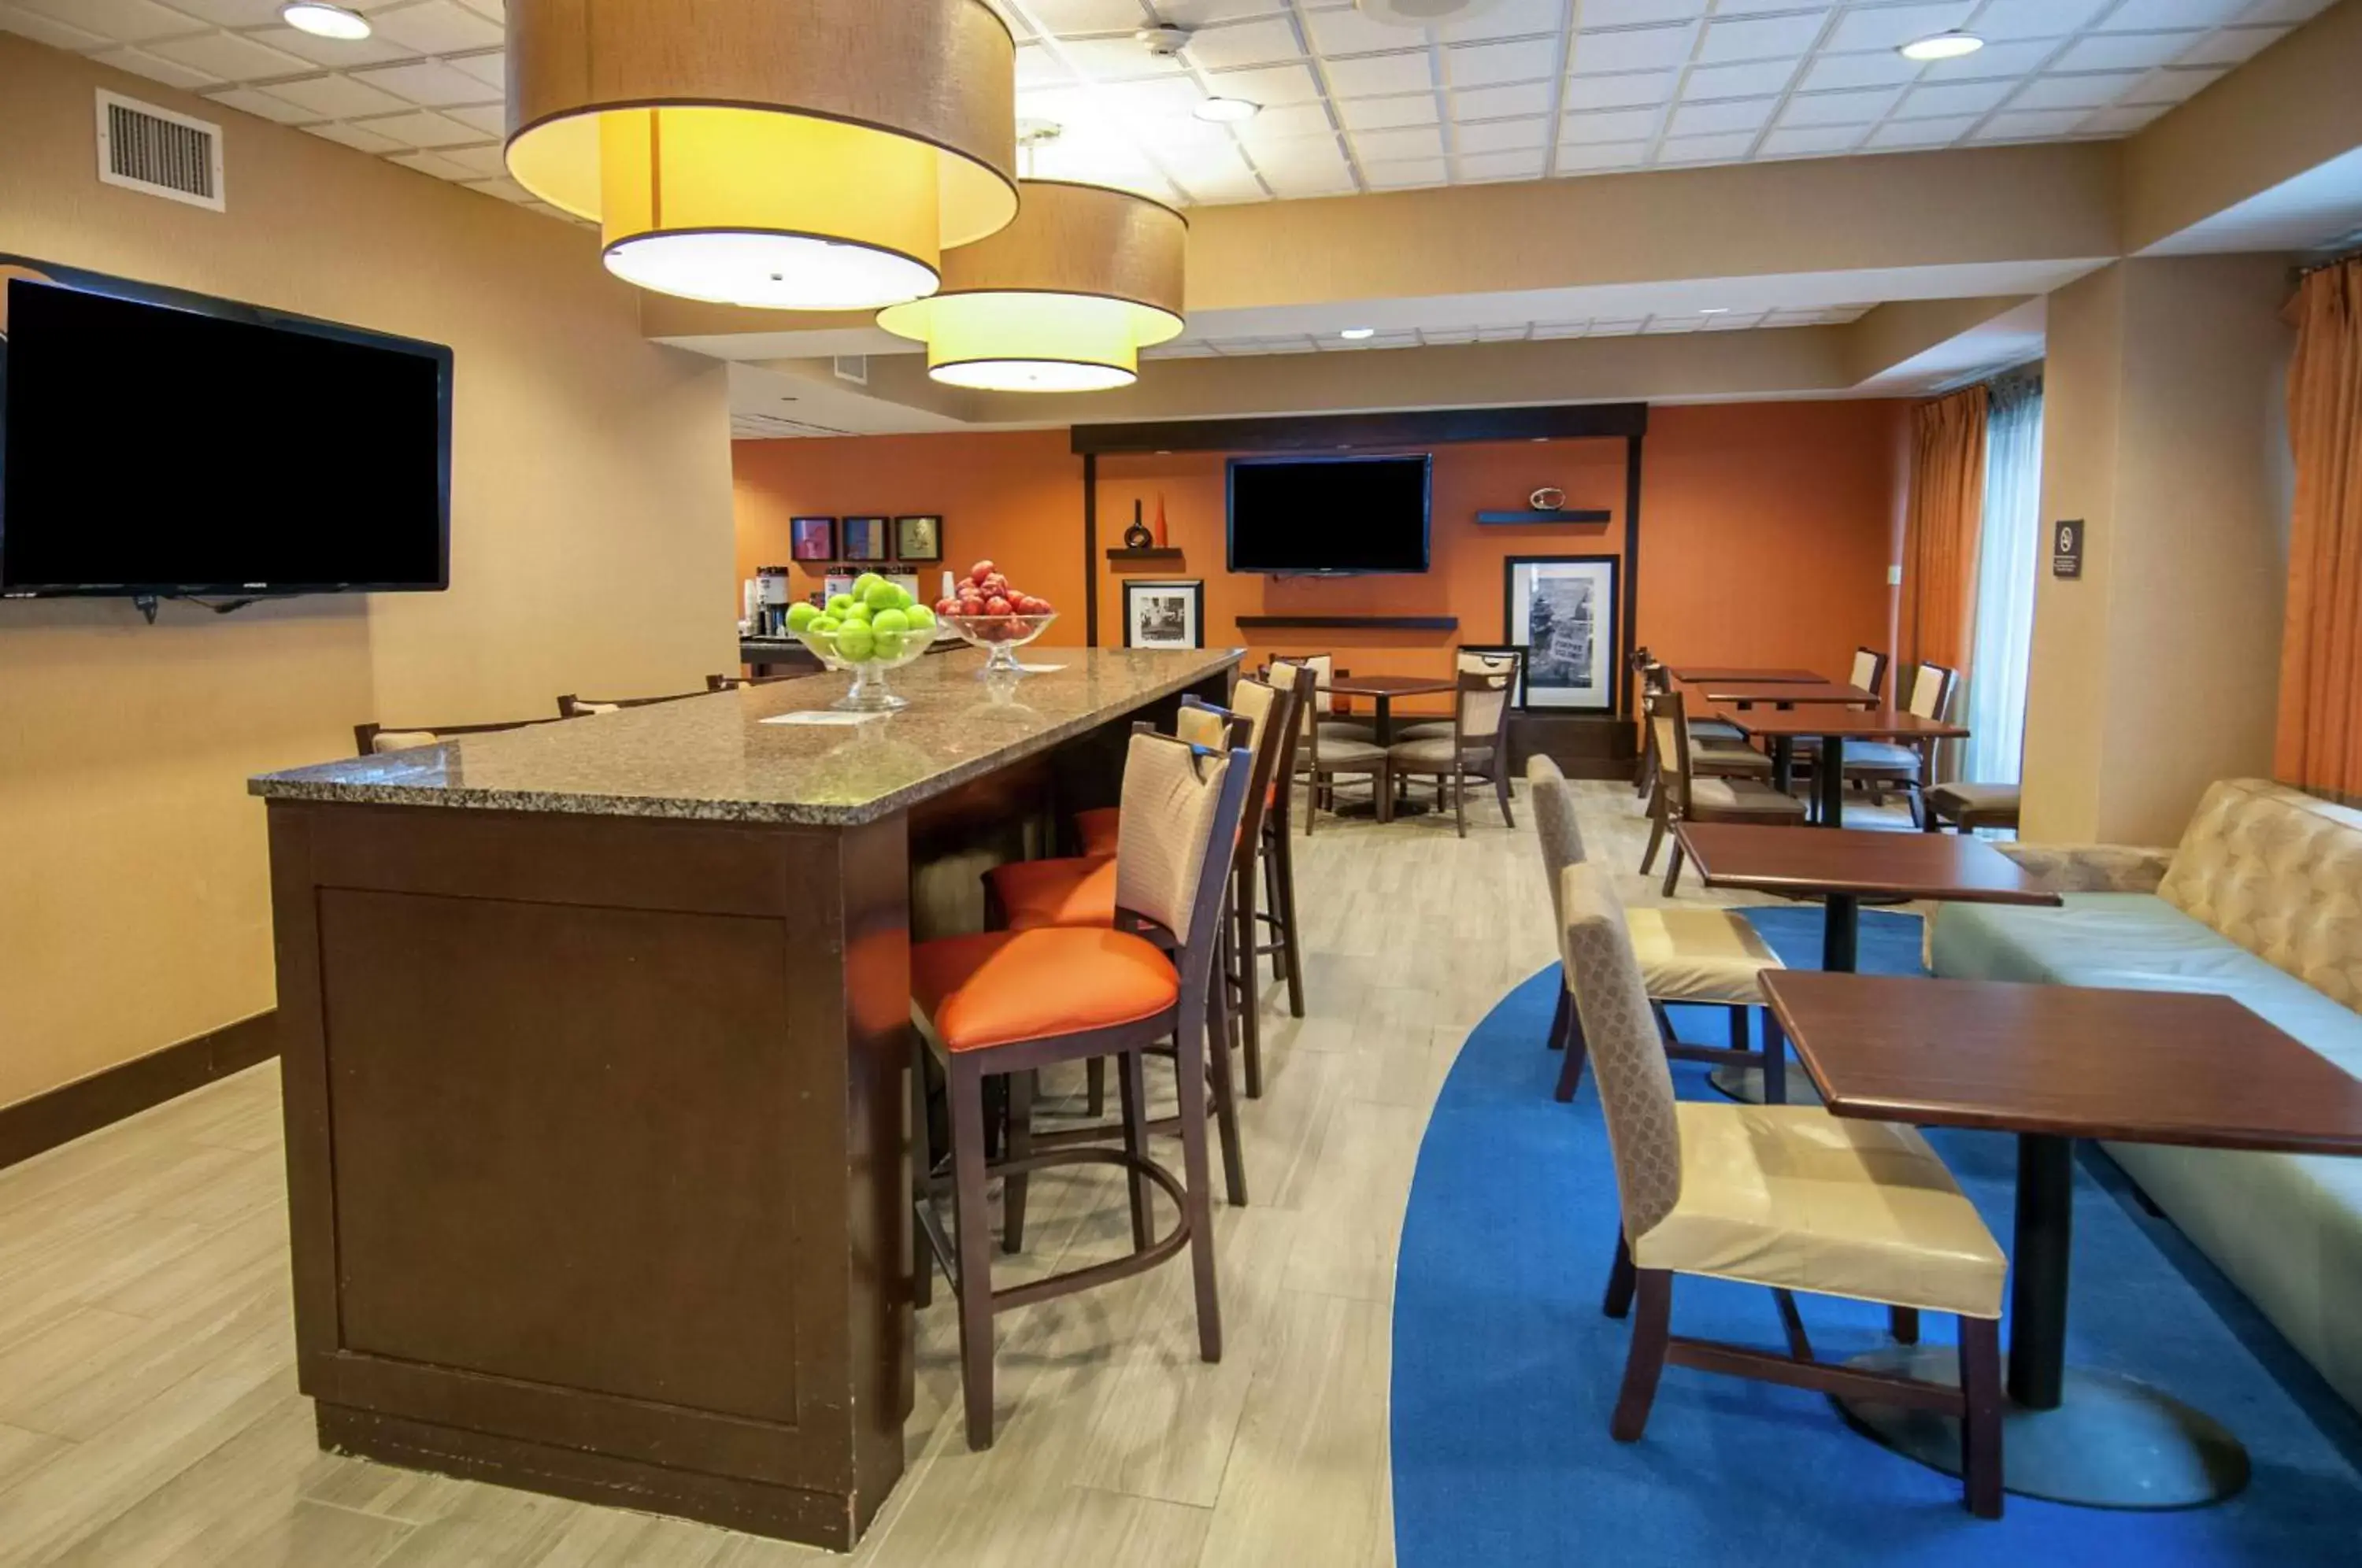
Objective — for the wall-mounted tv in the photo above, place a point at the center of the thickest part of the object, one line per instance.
(1328, 516)
(154, 444)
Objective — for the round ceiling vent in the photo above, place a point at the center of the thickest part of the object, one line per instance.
(1420, 13)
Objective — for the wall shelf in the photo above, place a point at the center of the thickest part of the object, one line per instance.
(1353, 622)
(1533, 519)
(1155, 552)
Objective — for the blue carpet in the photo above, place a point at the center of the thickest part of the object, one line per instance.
(1505, 1371)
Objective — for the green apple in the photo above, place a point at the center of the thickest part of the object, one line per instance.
(895, 621)
(854, 642)
(921, 619)
(825, 626)
(888, 644)
(801, 614)
(884, 595)
(856, 611)
(839, 604)
(864, 583)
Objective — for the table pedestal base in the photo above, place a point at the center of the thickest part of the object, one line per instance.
(1745, 1085)
(2112, 1443)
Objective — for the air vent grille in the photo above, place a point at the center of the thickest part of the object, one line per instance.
(143, 148)
(853, 367)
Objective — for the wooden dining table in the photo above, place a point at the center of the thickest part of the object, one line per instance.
(1693, 674)
(1832, 726)
(1787, 693)
(1382, 690)
(2052, 1064)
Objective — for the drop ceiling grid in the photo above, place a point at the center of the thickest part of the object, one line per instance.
(1524, 89)
(1191, 345)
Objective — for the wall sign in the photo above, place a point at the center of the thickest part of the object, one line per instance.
(2067, 549)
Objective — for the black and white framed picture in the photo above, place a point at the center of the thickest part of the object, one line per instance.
(1562, 610)
(1169, 615)
(919, 539)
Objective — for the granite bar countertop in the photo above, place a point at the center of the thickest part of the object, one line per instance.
(711, 759)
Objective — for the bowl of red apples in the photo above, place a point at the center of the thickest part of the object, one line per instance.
(990, 614)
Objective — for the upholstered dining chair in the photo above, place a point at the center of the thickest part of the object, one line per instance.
(376, 740)
(1907, 767)
(1322, 757)
(1477, 748)
(1683, 796)
(1007, 1003)
(569, 706)
(732, 682)
(1504, 658)
(1868, 670)
(1706, 957)
(1787, 1197)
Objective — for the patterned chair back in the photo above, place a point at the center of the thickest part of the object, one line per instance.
(1628, 1059)
(1172, 794)
(1554, 823)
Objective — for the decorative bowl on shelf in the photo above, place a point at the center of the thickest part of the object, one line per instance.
(999, 636)
(870, 692)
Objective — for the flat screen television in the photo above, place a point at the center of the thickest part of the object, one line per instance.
(1328, 516)
(207, 447)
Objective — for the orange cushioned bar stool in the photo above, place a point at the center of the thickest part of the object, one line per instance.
(1012, 1003)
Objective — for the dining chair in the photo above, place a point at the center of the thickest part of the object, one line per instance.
(569, 706)
(1968, 806)
(1709, 957)
(376, 740)
(1869, 669)
(1500, 658)
(1683, 796)
(1007, 1003)
(1787, 1197)
(1477, 747)
(732, 682)
(1906, 767)
(1321, 758)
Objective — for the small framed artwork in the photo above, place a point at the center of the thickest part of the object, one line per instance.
(919, 539)
(1170, 615)
(812, 539)
(1562, 610)
(862, 539)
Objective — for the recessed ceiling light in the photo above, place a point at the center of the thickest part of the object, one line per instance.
(1942, 46)
(1356, 334)
(1227, 111)
(1714, 309)
(324, 20)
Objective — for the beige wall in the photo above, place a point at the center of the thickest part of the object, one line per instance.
(591, 551)
(2155, 672)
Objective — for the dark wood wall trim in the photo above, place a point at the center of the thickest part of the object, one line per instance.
(1631, 569)
(32, 1126)
(1091, 549)
(1317, 432)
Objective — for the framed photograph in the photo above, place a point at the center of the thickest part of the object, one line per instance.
(919, 539)
(812, 539)
(1562, 610)
(862, 539)
(1164, 615)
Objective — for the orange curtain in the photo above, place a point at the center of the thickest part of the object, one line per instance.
(1941, 532)
(2320, 651)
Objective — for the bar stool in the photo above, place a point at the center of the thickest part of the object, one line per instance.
(1010, 1002)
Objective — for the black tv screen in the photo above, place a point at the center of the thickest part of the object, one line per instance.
(1328, 514)
(146, 449)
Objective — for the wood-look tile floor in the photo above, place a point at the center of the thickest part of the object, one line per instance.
(149, 1413)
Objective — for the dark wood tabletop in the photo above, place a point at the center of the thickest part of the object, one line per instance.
(1692, 674)
(1815, 691)
(1853, 723)
(2067, 1061)
(1953, 868)
(1390, 685)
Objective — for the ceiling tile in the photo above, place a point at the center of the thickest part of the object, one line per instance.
(1405, 173)
(427, 82)
(1758, 37)
(1408, 141)
(1268, 84)
(331, 52)
(1037, 67)
(491, 121)
(127, 21)
(2088, 91)
(1523, 165)
(2174, 85)
(1730, 115)
(231, 13)
(1297, 183)
(1633, 48)
(1706, 148)
(1508, 20)
(1116, 59)
(1881, 68)
(2035, 19)
(1994, 59)
(1383, 114)
(339, 97)
(1860, 108)
(1811, 141)
(2230, 46)
(1555, 331)
(1749, 81)
(360, 138)
(46, 30)
(1246, 43)
(2021, 126)
(437, 27)
(492, 70)
(432, 163)
(1280, 121)
(1615, 328)
(422, 129)
(1340, 29)
(266, 106)
(1200, 13)
(1612, 125)
(1618, 91)
(156, 68)
(226, 57)
(1367, 76)
(2288, 10)
(1500, 136)
(1941, 132)
(1062, 16)
(1625, 12)
(1953, 98)
(1500, 102)
(481, 163)
(2123, 52)
(1489, 64)
(2155, 15)
(1597, 157)
(1891, 27)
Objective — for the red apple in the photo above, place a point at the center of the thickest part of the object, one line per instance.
(997, 605)
(978, 572)
(948, 605)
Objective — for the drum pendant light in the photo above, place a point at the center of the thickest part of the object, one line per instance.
(814, 156)
(1061, 301)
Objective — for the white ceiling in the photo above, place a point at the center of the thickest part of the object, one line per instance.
(1525, 88)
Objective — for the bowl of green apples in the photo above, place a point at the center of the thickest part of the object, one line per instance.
(874, 628)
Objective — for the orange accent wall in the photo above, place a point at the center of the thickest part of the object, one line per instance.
(1767, 529)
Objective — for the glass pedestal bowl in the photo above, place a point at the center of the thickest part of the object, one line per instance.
(999, 636)
(870, 692)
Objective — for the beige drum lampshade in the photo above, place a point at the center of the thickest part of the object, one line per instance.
(815, 155)
(1062, 300)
